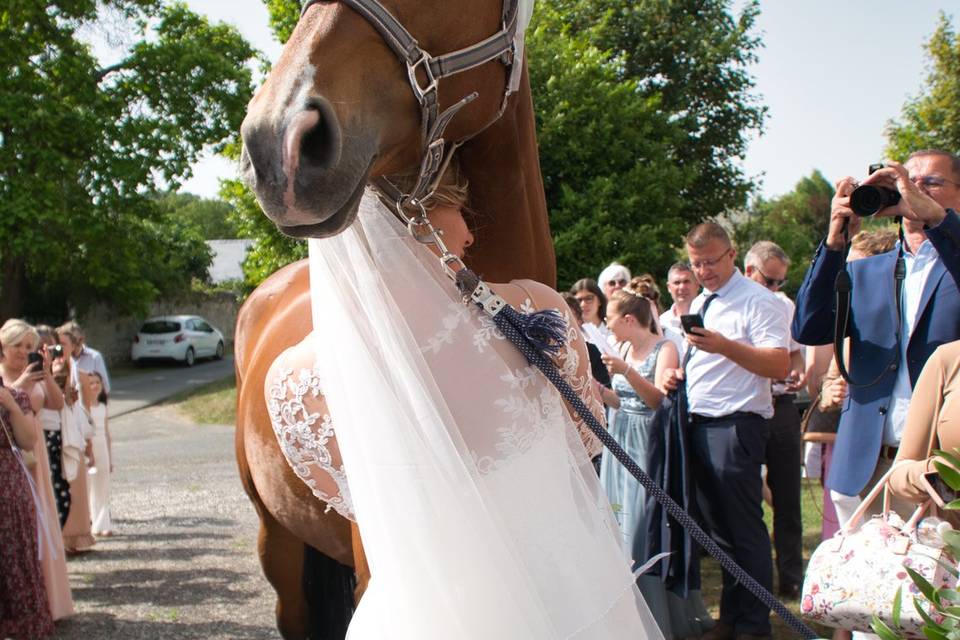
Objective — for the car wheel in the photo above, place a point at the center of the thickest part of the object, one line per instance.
(189, 357)
(219, 355)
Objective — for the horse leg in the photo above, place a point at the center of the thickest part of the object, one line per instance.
(282, 558)
(361, 568)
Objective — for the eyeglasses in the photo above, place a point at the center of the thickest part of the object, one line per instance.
(931, 183)
(622, 282)
(772, 283)
(585, 299)
(700, 265)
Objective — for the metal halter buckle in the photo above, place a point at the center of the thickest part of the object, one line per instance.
(424, 62)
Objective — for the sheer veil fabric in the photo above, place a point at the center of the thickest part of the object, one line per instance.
(480, 513)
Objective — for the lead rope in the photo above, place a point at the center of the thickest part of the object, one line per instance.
(535, 336)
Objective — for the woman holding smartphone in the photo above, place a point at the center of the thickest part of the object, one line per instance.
(933, 422)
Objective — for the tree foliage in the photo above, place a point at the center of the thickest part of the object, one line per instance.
(643, 110)
(85, 148)
(931, 120)
(797, 221)
(211, 219)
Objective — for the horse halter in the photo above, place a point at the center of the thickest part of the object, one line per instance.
(436, 151)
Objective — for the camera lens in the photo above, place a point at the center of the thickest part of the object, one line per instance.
(868, 199)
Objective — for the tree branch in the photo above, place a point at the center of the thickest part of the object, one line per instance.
(123, 64)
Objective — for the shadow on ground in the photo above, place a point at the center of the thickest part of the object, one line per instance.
(104, 625)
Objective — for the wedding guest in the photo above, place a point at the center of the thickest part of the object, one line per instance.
(88, 359)
(615, 276)
(636, 394)
(24, 612)
(77, 431)
(593, 304)
(99, 474)
(931, 424)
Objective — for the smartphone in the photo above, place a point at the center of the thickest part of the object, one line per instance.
(691, 320)
(943, 490)
(34, 361)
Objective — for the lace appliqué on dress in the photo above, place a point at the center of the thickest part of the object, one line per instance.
(304, 436)
(529, 417)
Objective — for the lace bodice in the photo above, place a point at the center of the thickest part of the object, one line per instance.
(630, 401)
(306, 431)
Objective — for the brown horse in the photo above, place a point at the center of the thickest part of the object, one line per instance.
(335, 112)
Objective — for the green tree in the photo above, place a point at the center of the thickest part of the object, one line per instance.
(85, 148)
(797, 221)
(603, 146)
(212, 219)
(693, 56)
(642, 111)
(932, 118)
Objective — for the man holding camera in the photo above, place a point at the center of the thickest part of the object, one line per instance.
(728, 373)
(918, 279)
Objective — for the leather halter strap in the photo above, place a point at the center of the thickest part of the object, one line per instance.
(436, 151)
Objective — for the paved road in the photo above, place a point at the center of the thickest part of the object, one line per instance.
(139, 390)
(183, 563)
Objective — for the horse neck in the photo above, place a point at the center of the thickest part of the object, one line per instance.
(506, 188)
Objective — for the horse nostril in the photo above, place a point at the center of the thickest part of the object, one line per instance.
(320, 145)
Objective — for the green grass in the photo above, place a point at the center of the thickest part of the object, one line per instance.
(215, 403)
(811, 507)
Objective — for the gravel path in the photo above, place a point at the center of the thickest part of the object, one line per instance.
(183, 562)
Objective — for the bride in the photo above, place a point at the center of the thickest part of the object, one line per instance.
(408, 412)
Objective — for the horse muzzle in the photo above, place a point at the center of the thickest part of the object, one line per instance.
(306, 180)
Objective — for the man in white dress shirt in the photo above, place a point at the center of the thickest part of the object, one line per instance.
(767, 265)
(728, 372)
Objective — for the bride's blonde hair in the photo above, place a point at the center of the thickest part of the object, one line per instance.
(452, 190)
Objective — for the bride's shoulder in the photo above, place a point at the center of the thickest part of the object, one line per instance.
(523, 293)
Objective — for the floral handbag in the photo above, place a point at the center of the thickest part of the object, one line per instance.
(855, 575)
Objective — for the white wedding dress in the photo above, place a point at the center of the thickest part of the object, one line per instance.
(480, 513)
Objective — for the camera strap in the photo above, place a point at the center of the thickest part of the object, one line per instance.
(843, 288)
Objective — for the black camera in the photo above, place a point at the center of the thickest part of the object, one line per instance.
(55, 351)
(868, 199)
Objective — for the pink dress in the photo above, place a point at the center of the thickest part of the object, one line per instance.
(53, 560)
(23, 600)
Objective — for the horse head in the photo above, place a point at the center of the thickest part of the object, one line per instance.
(337, 108)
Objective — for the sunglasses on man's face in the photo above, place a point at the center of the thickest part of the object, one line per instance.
(772, 283)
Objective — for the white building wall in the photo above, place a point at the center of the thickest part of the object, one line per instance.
(228, 257)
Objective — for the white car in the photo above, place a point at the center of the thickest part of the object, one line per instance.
(182, 338)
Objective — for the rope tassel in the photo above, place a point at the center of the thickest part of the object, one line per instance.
(546, 330)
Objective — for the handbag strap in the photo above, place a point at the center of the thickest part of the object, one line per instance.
(882, 486)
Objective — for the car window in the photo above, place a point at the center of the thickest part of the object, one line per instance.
(203, 326)
(191, 325)
(160, 326)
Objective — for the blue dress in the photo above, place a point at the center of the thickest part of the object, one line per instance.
(637, 513)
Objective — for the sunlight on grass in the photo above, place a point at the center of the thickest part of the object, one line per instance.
(215, 403)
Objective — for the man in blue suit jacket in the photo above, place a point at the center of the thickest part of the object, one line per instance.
(873, 416)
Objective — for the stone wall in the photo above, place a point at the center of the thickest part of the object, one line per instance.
(112, 335)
